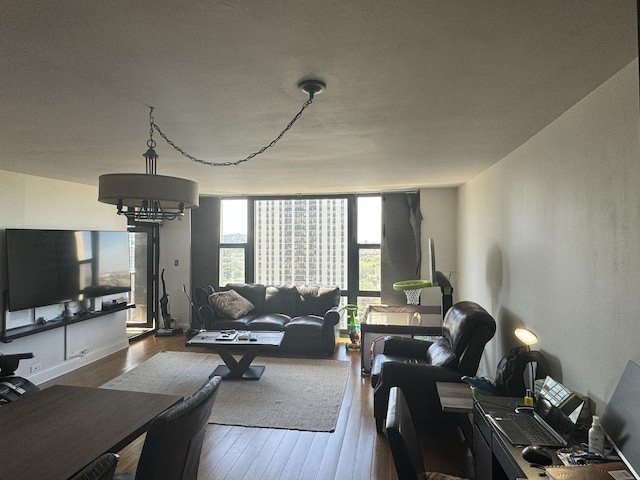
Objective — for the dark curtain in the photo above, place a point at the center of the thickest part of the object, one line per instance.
(205, 239)
(401, 243)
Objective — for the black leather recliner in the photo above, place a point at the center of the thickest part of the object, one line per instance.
(415, 365)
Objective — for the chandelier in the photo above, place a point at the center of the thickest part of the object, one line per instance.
(152, 197)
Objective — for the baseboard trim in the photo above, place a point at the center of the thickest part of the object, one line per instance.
(77, 362)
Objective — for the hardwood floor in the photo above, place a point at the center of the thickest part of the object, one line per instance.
(353, 451)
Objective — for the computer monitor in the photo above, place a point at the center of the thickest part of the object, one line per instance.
(621, 418)
(432, 263)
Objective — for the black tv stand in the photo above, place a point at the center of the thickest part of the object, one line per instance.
(7, 335)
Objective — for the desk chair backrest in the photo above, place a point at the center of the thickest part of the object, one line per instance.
(403, 440)
(404, 444)
(174, 441)
(13, 388)
(102, 468)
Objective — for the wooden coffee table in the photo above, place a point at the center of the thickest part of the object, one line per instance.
(237, 369)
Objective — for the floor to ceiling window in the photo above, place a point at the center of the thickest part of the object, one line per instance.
(303, 240)
(233, 240)
(368, 239)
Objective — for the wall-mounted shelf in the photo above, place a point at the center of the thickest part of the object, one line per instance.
(19, 332)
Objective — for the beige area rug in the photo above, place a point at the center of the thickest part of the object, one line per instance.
(293, 393)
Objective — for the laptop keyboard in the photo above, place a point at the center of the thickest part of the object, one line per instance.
(534, 431)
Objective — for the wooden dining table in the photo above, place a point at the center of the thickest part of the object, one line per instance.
(54, 433)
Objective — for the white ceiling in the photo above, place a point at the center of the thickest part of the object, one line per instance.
(419, 93)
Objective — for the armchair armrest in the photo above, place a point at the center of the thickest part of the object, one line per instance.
(406, 347)
(208, 315)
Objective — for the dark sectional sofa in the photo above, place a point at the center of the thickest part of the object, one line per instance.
(309, 315)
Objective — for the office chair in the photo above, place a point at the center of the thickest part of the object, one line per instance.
(102, 468)
(404, 443)
(12, 388)
(171, 450)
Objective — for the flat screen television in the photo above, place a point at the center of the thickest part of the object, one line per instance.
(48, 267)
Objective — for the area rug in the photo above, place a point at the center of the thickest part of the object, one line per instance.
(293, 393)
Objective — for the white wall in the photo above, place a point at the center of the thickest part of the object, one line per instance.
(175, 247)
(550, 238)
(36, 202)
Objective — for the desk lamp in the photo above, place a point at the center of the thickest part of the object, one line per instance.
(529, 338)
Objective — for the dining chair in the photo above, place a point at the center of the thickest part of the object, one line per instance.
(102, 468)
(172, 447)
(404, 443)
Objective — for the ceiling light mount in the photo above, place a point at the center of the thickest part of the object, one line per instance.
(312, 87)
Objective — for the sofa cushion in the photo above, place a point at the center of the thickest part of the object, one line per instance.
(240, 323)
(441, 355)
(254, 292)
(269, 321)
(315, 300)
(305, 326)
(230, 304)
(282, 299)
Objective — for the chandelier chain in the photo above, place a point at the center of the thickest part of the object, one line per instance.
(151, 143)
(237, 162)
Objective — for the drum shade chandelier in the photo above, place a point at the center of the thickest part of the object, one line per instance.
(152, 197)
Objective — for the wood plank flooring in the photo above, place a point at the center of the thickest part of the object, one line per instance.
(353, 451)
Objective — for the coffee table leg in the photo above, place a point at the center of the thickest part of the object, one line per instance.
(238, 370)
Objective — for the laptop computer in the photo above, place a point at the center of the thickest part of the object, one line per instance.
(551, 423)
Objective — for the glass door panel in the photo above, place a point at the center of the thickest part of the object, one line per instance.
(144, 289)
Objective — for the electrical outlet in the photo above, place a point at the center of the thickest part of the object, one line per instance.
(35, 368)
(78, 353)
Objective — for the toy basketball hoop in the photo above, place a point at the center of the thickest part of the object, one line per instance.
(412, 289)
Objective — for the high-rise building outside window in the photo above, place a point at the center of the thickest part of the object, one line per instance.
(301, 241)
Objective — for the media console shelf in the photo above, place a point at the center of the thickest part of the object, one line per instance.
(7, 335)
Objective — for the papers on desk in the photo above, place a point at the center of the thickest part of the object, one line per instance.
(593, 471)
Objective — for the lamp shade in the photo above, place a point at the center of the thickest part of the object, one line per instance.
(131, 188)
(526, 336)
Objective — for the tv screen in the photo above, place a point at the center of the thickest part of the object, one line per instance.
(47, 267)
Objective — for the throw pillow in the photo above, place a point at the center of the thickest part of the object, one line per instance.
(230, 304)
(254, 292)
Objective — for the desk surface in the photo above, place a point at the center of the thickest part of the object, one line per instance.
(53, 433)
(455, 397)
(508, 456)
